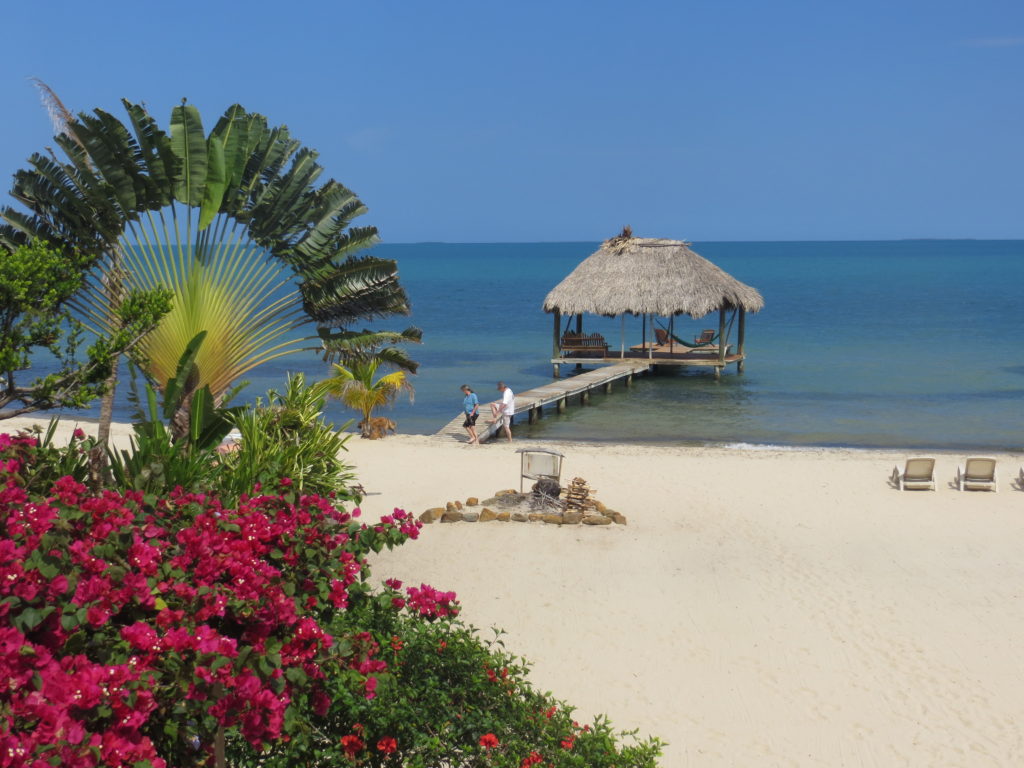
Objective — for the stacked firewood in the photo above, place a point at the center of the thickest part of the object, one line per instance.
(577, 496)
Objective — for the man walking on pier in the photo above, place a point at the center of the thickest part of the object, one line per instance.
(504, 409)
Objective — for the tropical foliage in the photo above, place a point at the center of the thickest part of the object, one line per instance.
(234, 223)
(166, 454)
(36, 285)
(286, 435)
(180, 631)
(359, 388)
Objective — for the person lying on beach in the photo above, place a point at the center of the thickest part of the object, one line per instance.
(471, 407)
(504, 409)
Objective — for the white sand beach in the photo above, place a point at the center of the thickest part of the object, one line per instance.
(761, 608)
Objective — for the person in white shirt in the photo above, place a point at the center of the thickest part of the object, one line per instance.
(504, 409)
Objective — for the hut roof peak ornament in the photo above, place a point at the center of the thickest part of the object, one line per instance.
(620, 240)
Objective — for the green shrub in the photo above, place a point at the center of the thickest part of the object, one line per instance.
(286, 436)
(453, 698)
(42, 462)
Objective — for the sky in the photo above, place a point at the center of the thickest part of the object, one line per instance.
(565, 120)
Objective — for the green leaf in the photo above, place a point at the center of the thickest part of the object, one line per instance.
(189, 146)
(28, 619)
(177, 388)
(171, 729)
(216, 183)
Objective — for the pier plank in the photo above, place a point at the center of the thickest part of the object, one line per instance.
(546, 395)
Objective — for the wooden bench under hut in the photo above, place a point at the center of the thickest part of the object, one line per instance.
(583, 344)
(655, 279)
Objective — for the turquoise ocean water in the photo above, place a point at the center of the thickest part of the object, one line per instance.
(899, 344)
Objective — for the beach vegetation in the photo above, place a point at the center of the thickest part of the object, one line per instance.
(167, 451)
(37, 284)
(177, 630)
(285, 435)
(282, 436)
(359, 387)
(255, 250)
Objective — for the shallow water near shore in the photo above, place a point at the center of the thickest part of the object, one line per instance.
(898, 344)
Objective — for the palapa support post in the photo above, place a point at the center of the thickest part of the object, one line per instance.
(721, 337)
(556, 346)
(579, 332)
(740, 338)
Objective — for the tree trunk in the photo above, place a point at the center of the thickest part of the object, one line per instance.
(99, 469)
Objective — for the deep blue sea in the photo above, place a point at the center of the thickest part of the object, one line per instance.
(897, 344)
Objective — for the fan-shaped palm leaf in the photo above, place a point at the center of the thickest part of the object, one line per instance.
(233, 222)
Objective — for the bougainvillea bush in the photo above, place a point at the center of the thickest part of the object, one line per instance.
(180, 632)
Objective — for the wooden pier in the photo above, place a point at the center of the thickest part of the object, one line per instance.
(560, 393)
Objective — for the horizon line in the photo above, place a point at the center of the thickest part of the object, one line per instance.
(698, 240)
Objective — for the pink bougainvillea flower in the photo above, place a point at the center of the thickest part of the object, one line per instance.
(370, 687)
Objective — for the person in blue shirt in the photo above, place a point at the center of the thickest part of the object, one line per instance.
(471, 407)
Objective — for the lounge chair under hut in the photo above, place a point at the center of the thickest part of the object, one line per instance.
(658, 280)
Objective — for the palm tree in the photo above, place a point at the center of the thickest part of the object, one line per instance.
(234, 223)
(356, 387)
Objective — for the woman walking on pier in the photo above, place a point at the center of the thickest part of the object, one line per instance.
(471, 406)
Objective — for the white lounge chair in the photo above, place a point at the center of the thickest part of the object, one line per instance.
(977, 474)
(918, 475)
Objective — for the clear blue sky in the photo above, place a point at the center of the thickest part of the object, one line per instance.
(536, 121)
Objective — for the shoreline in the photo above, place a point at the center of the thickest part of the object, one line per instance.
(761, 607)
(121, 428)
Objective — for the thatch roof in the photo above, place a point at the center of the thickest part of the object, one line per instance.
(647, 275)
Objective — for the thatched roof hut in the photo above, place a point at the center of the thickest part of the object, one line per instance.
(643, 275)
(651, 277)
